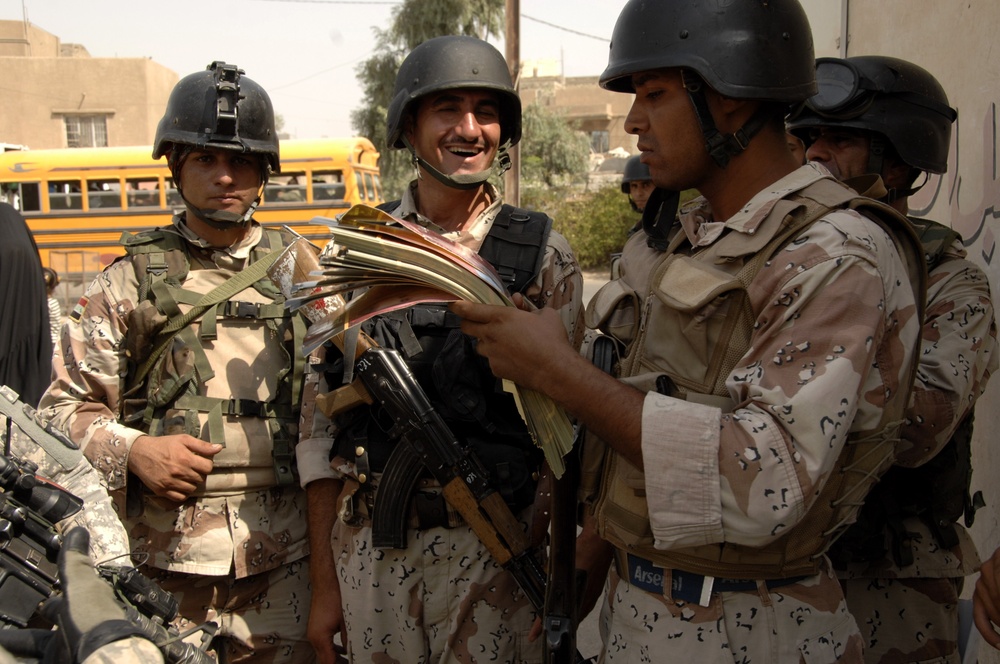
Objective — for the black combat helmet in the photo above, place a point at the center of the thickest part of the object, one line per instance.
(219, 108)
(743, 50)
(897, 100)
(635, 171)
(449, 63)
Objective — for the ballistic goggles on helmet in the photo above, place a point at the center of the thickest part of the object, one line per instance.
(845, 92)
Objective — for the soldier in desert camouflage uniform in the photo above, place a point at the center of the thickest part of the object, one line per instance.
(903, 564)
(190, 421)
(442, 598)
(768, 339)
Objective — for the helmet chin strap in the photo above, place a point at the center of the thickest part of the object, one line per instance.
(222, 219)
(721, 147)
(876, 164)
(464, 181)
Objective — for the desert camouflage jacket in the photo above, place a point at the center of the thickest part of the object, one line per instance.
(834, 325)
(958, 355)
(249, 529)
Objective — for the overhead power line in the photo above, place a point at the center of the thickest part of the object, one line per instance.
(564, 29)
(399, 2)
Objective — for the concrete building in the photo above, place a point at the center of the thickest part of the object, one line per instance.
(598, 113)
(56, 96)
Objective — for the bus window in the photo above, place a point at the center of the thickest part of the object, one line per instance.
(142, 192)
(286, 188)
(370, 187)
(328, 185)
(104, 194)
(174, 199)
(65, 195)
(23, 196)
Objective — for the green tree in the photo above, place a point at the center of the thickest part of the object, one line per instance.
(552, 152)
(413, 22)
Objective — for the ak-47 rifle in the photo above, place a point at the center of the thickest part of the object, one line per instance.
(426, 440)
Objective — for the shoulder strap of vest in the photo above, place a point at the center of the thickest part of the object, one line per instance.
(935, 238)
(515, 245)
(156, 256)
(814, 202)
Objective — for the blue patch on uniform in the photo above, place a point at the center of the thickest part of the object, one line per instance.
(77, 313)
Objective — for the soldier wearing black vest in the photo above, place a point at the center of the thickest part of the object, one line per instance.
(903, 563)
(442, 598)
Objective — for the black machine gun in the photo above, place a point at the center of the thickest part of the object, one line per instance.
(29, 575)
(30, 506)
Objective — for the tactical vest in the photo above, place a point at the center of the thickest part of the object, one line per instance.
(457, 380)
(248, 346)
(685, 339)
(937, 492)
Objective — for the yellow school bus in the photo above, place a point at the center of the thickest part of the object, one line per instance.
(78, 201)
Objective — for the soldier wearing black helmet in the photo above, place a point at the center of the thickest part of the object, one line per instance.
(903, 563)
(766, 339)
(183, 376)
(442, 598)
(637, 184)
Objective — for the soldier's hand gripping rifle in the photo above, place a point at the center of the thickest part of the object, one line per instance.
(30, 581)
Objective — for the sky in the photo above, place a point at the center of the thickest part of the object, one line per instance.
(303, 52)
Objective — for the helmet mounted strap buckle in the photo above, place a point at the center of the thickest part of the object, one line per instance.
(227, 87)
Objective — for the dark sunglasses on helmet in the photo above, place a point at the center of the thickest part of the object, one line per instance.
(845, 92)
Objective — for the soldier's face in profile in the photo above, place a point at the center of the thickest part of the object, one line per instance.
(457, 131)
(842, 150)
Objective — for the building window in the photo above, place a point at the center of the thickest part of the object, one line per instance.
(600, 141)
(86, 131)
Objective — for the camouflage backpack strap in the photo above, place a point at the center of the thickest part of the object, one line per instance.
(221, 293)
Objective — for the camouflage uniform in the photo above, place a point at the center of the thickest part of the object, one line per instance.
(909, 613)
(108, 540)
(239, 529)
(833, 327)
(127, 651)
(442, 598)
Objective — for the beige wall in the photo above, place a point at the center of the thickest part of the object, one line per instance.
(24, 39)
(132, 92)
(956, 41)
(581, 101)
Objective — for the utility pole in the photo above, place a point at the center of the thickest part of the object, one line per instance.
(512, 180)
